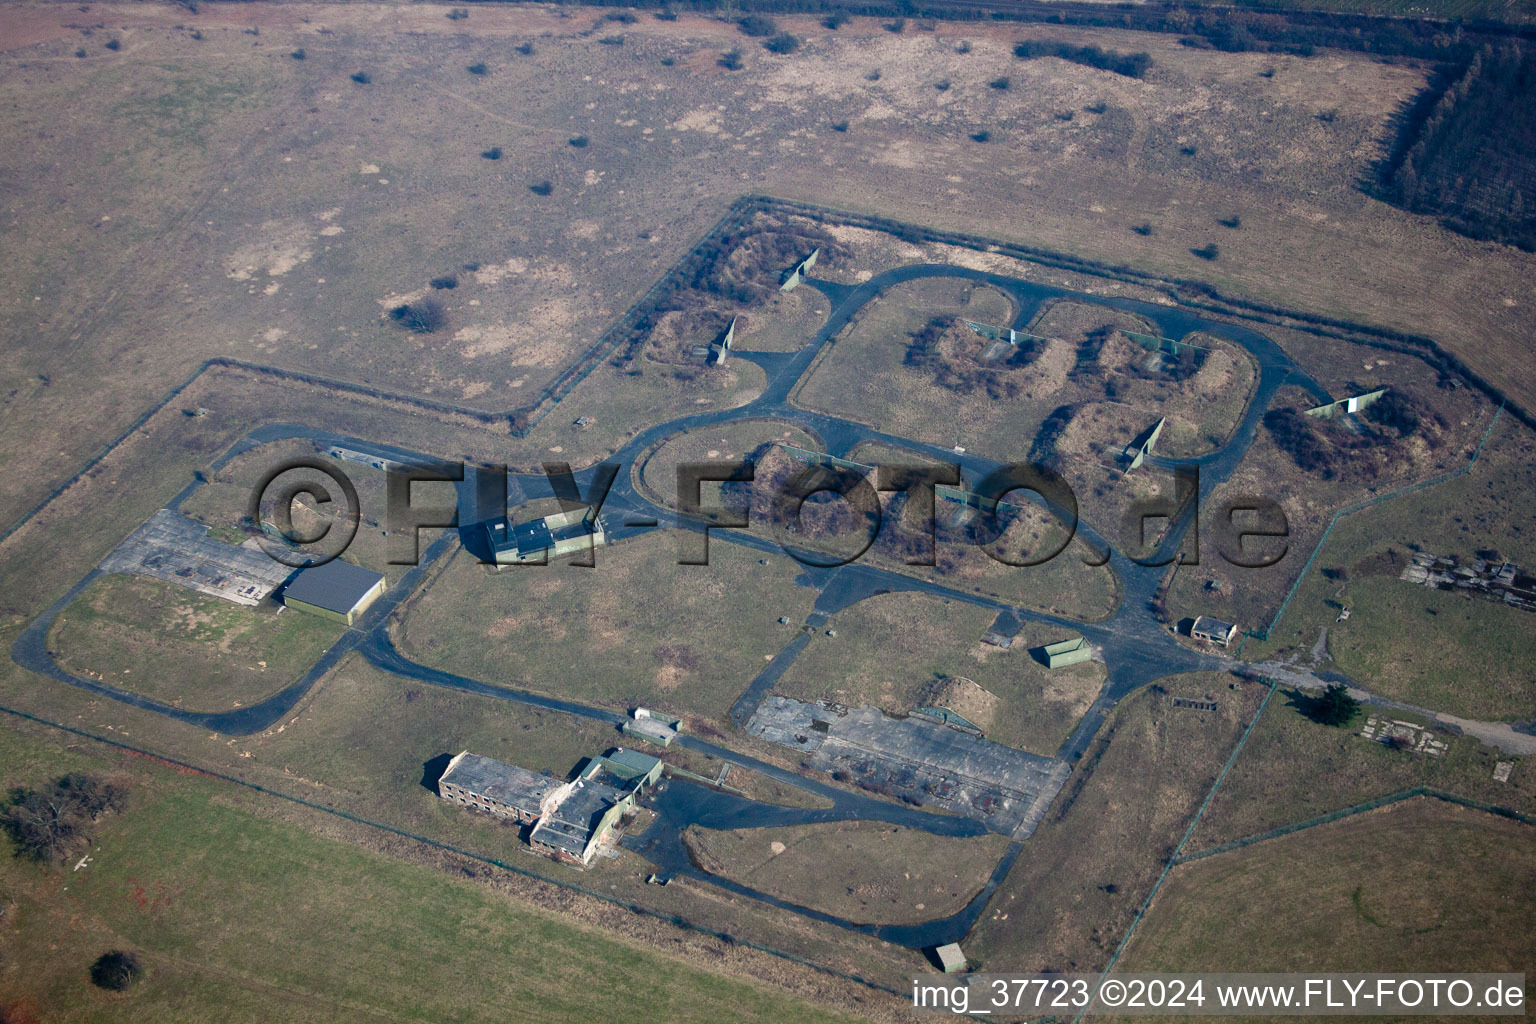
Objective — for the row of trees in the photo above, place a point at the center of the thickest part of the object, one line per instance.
(1466, 159)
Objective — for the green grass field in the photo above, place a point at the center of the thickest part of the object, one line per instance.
(239, 917)
(1293, 769)
(637, 629)
(173, 644)
(1423, 886)
(893, 651)
(1404, 641)
(1448, 651)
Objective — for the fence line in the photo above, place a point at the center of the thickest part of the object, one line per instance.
(1361, 808)
(1367, 503)
(1173, 860)
(676, 920)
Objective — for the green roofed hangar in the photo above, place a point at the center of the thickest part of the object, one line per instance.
(336, 590)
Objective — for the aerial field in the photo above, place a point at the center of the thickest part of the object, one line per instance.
(638, 629)
(904, 651)
(290, 245)
(1421, 886)
(848, 868)
(188, 876)
(187, 649)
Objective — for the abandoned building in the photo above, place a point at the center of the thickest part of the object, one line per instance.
(539, 540)
(1496, 581)
(337, 590)
(1213, 631)
(571, 820)
(504, 790)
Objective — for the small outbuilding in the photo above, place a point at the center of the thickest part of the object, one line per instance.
(951, 959)
(1066, 652)
(1213, 631)
(336, 590)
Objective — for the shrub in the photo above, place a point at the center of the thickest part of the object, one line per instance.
(612, 40)
(1066, 115)
(477, 69)
(113, 44)
(1211, 252)
(424, 316)
(115, 971)
(667, 62)
(964, 47)
(51, 825)
(80, 53)
(445, 282)
(622, 17)
(526, 49)
(298, 55)
(942, 85)
(666, 14)
(1096, 108)
(731, 60)
(835, 21)
(873, 76)
(898, 26)
(1189, 150)
(457, 14)
(982, 136)
(840, 126)
(494, 153)
(782, 43)
(1131, 65)
(1233, 222)
(757, 25)
(361, 77)
(542, 188)
(1395, 411)
(1142, 229)
(580, 142)
(1000, 83)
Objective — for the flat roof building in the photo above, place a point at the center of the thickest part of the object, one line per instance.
(1213, 631)
(336, 590)
(573, 829)
(539, 540)
(504, 790)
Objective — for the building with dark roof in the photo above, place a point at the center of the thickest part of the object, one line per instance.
(336, 590)
(573, 829)
(539, 540)
(1213, 631)
(570, 820)
(504, 790)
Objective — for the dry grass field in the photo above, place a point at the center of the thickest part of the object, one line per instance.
(193, 651)
(850, 868)
(636, 629)
(201, 190)
(1089, 866)
(215, 196)
(1420, 886)
(904, 651)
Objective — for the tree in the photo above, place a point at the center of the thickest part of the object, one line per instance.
(757, 25)
(49, 825)
(1335, 707)
(731, 60)
(782, 43)
(115, 971)
(421, 317)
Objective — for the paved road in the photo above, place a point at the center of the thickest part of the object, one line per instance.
(1135, 646)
